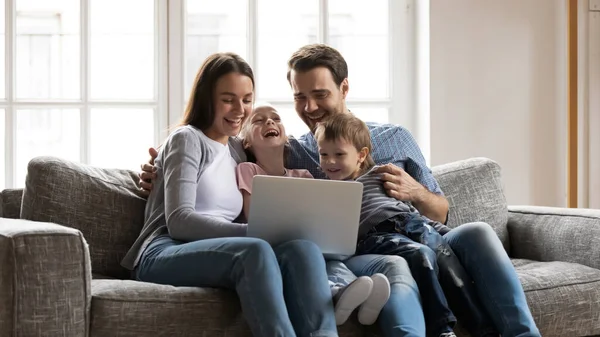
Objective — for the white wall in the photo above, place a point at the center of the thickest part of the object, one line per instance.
(498, 90)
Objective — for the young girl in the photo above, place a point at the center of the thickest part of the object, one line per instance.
(265, 142)
(390, 226)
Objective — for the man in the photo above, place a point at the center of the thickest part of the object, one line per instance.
(318, 75)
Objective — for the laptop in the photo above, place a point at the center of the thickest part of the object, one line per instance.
(325, 212)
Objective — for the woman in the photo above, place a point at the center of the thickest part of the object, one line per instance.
(190, 237)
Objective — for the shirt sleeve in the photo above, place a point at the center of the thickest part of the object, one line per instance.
(245, 172)
(183, 153)
(413, 161)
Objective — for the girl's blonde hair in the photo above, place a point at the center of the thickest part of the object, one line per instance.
(350, 128)
(245, 133)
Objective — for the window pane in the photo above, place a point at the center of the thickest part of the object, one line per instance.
(122, 49)
(45, 132)
(294, 126)
(359, 30)
(2, 78)
(378, 115)
(278, 37)
(120, 138)
(211, 27)
(47, 49)
(3, 154)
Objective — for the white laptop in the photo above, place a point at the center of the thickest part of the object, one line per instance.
(325, 212)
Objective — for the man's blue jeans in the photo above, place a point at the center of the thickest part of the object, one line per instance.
(436, 269)
(283, 290)
(500, 292)
(482, 255)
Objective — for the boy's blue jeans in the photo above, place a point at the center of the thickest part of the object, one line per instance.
(439, 274)
(283, 290)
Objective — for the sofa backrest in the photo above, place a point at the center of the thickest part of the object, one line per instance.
(104, 204)
(10, 203)
(474, 191)
(107, 207)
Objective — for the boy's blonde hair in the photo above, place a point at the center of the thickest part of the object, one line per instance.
(350, 128)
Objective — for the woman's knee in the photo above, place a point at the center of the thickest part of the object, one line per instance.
(298, 248)
(254, 248)
(299, 251)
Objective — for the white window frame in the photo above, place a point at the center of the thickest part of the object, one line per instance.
(10, 104)
(408, 102)
(402, 47)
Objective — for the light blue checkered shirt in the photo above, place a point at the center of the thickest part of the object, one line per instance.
(391, 144)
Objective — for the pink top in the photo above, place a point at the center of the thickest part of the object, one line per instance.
(246, 171)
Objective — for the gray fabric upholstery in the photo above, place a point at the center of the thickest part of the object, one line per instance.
(557, 251)
(555, 234)
(10, 203)
(45, 280)
(144, 309)
(104, 204)
(564, 298)
(474, 191)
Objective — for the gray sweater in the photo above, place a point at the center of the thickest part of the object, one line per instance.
(171, 204)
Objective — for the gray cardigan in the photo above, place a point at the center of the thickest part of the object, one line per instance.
(171, 204)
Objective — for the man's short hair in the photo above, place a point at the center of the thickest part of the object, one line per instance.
(313, 56)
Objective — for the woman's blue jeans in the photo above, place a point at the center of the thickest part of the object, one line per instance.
(283, 290)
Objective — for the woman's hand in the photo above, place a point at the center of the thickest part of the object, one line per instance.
(148, 173)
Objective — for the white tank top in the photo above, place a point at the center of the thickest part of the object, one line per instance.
(217, 194)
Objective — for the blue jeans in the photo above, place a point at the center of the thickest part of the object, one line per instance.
(482, 255)
(437, 270)
(283, 290)
(402, 316)
(424, 268)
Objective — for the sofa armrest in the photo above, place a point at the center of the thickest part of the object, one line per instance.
(45, 280)
(555, 234)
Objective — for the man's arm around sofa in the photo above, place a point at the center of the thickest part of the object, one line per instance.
(555, 234)
(45, 279)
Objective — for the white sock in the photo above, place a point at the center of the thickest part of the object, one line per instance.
(370, 309)
(350, 297)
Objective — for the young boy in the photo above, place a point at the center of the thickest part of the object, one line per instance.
(390, 226)
(265, 141)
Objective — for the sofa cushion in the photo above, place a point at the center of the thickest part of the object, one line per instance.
(10, 203)
(564, 298)
(104, 204)
(474, 191)
(145, 309)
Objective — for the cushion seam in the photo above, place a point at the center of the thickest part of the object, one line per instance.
(116, 300)
(553, 214)
(562, 285)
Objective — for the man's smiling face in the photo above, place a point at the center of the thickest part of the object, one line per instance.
(317, 96)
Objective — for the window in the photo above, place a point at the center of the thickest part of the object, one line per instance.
(99, 81)
(79, 81)
(259, 32)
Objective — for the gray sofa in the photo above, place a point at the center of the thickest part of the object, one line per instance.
(62, 238)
